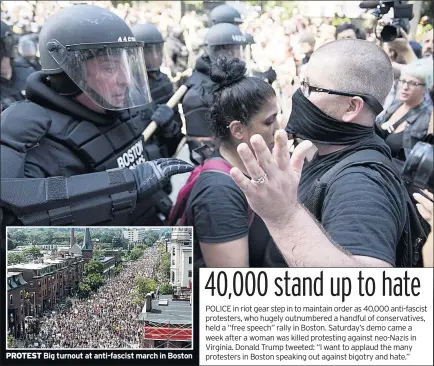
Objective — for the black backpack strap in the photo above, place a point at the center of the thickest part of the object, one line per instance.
(413, 236)
(361, 157)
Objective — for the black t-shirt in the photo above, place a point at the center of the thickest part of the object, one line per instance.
(364, 210)
(218, 211)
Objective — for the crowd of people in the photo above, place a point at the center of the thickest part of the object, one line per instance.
(97, 91)
(108, 318)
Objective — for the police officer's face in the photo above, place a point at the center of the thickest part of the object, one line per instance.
(153, 56)
(347, 34)
(264, 123)
(109, 76)
(231, 51)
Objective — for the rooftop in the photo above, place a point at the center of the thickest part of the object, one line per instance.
(11, 274)
(105, 259)
(30, 265)
(177, 312)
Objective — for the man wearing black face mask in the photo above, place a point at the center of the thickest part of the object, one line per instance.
(363, 210)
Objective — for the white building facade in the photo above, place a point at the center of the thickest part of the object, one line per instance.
(134, 235)
(181, 257)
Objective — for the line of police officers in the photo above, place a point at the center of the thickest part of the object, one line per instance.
(73, 152)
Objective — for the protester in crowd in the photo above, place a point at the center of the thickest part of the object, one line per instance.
(428, 44)
(108, 318)
(78, 130)
(364, 207)
(217, 209)
(27, 50)
(349, 31)
(406, 121)
(222, 39)
(13, 76)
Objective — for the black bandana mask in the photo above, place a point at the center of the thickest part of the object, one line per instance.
(309, 122)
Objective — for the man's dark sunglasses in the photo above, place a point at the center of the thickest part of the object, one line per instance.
(369, 99)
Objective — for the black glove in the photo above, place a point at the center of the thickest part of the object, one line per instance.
(163, 115)
(153, 175)
(270, 75)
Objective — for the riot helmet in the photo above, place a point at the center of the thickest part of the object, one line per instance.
(85, 48)
(153, 45)
(6, 41)
(225, 14)
(225, 39)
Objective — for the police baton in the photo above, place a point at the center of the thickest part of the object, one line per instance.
(171, 103)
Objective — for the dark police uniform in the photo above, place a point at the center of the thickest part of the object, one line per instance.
(221, 39)
(87, 168)
(64, 141)
(13, 90)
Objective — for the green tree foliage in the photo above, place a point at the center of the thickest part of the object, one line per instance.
(136, 253)
(32, 252)
(166, 289)
(98, 253)
(84, 290)
(11, 341)
(94, 280)
(11, 243)
(15, 258)
(68, 303)
(145, 285)
(164, 267)
(117, 242)
(19, 236)
(118, 269)
(93, 267)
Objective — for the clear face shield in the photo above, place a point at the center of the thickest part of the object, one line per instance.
(230, 51)
(112, 75)
(153, 56)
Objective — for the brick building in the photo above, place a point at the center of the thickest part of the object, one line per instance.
(16, 303)
(48, 282)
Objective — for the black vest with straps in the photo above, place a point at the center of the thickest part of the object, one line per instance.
(119, 146)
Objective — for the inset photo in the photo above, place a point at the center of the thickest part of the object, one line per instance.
(99, 287)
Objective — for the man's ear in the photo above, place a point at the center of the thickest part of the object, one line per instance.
(237, 130)
(353, 110)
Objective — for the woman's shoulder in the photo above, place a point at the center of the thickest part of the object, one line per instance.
(216, 180)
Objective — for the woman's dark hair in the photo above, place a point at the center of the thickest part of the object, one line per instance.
(237, 97)
(360, 34)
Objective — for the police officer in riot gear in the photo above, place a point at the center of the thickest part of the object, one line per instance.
(160, 86)
(222, 39)
(13, 76)
(159, 83)
(177, 53)
(80, 133)
(225, 14)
